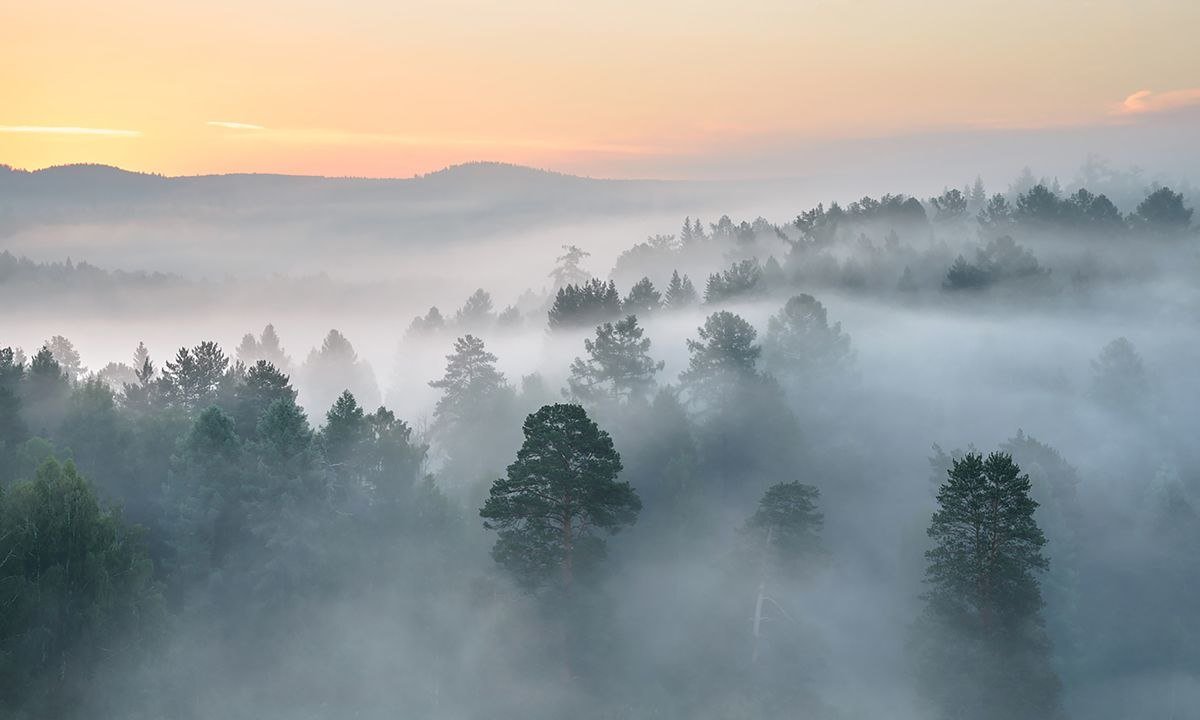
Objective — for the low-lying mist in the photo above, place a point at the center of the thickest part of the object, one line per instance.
(792, 405)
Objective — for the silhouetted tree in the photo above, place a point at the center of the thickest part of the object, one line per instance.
(981, 648)
(582, 305)
(1163, 212)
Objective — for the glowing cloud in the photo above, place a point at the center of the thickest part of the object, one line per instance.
(65, 130)
(1147, 101)
(234, 125)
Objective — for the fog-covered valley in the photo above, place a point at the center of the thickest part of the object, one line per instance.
(796, 407)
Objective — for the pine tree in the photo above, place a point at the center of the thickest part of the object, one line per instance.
(471, 377)
(195, 379)
(619, 366)
(724, 355)
(584, 305)
(981, 647)
(559, 494)
(261, 386)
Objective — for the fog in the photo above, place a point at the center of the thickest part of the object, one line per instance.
(357, 579)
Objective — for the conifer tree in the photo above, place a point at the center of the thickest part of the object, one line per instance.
(557, 498)
(619, 366)
(982, 650)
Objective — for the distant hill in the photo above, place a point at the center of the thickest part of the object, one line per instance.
(263, 223)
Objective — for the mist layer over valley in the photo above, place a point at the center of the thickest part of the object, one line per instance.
(501, 443)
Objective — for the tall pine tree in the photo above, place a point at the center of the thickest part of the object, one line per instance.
(982, 650)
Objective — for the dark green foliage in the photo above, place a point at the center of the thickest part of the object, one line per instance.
(741, 281)
(1001, 260)
(197, 377)
(642, 299)
(77, 593)
(981, 648)
(12, 426)
(584, 305)
(556, 499)
(261, 386)
(619, 366)
(100, 440)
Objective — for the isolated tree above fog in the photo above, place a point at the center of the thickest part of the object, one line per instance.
(618, 366)
(557, 498)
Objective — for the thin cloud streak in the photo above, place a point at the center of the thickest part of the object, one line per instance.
(340, 137)
(67, 130)
(235, 125)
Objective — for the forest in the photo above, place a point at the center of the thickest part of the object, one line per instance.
(906, 457)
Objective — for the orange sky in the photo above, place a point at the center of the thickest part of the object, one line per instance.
(390, 88)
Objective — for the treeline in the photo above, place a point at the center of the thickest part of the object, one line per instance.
(170, 546)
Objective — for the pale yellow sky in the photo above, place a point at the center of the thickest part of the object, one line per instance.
(386, 88)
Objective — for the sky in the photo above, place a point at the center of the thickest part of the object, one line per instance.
(648, 88)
